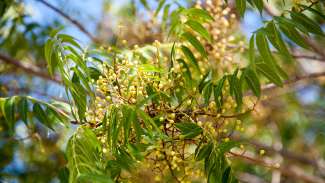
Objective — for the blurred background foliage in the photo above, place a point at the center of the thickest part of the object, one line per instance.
(288, 126)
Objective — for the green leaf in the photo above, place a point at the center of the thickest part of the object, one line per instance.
(69, 39)
(83, 155)
(129, 117)
(149, 68)
(206, 79)
(218, 92)
(252, 81)
(4, 6)
(41, 115)
(227, 146)
(293, 35)
(263, 48)
(316, 12)
(276, 40)
(189, 130)
(124, 159)
(198, 27)
(96, 178)
(63, 175)
(187, 72)
(289, 22)
(160, 5)
(259, 5)
(189, 55)
(252, 51)
(204, 152)
(307, 23)
(195, 43)
(145, 4)
(165, 14)
(241, 7)
(147, 119)
(199, 13)
(136, 126)
(8, 111)
(94, 73)
(226, 175)
(237, 90)
(23, 109)
(114, 168)
(48, 52)
(207, 91)
(269, 73)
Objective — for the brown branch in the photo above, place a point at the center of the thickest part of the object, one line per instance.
(283, 152)
(294, 80)
(29, 69)
(309, 57)
(73, 21)
(317, 48)
(290, 171)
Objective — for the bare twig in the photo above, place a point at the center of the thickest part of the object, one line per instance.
(73, 21)
(27, 68)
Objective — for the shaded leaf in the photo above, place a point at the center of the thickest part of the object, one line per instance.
(189, 55)
(253, 81)
(204, 152)
(241, 6)
(189, 130)
(269, 73)
(307, 23)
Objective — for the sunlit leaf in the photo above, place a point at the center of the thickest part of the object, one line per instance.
(197, 27)
(195, 43)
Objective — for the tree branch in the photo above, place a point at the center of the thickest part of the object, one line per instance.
(32, 70)
(283, 152)
(290, 171)
(294, 80)
(309, 57)
(73, 21)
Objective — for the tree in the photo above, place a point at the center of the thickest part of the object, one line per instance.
(181, 105)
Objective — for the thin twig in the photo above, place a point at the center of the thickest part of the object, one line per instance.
(73, 21)
(294, 80)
